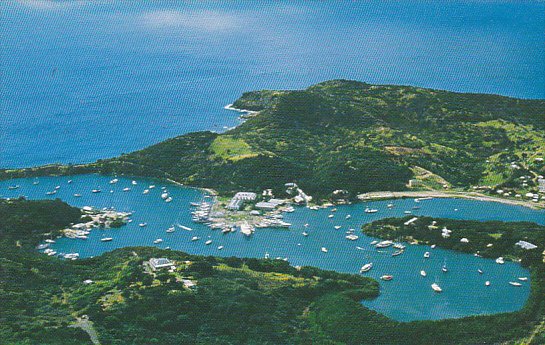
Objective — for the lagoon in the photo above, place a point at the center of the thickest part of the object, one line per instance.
(406, 298)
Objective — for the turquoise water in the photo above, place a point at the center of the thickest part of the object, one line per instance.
(84, 80)
(407, 297)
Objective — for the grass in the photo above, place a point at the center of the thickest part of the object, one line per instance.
(230, 148)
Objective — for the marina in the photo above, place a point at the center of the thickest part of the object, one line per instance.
(465, 291)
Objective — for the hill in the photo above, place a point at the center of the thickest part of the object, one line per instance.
(357, 137)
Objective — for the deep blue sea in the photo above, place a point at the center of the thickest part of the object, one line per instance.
(407, 297)
(83, 80)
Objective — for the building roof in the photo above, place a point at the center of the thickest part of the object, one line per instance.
(265, 205)
(526, 245)
(160, 262)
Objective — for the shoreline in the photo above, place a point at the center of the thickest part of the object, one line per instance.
(386, 195)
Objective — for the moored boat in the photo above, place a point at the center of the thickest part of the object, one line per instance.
(517, 284)
(387, 277)
(436, 287)
(366, 267)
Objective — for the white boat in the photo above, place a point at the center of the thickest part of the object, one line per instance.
(398, 252)
(359, 248)
(384, 244)
(337, 227)
(444, 269)
(423, 273)
(77, 195)
(185, 227)
(433, 246)
(480, 271)
(195, 238)
(114, 181)
(134, 183)
(142, 225)
(391, 205)
(164, 196)
(157, 241)
(146, 191)
(373, 243)
(51, 193)
(49, 241)
(436, 287)
(52, 253)
(126, 189)
(500, 260)
(523, 279)
(487, 283)
(515, 284)
(106, 239)
(96, 191)
(169, 199)
(220, 247)
(171, 229)
(305, 233)
(427, 255)
(366, 267)
(208, 242)
(352, 237)
(151, 186)
(407, 212)
(348, 216)
(324, 249)
(57, 187)
(330, 216)
(370, 210)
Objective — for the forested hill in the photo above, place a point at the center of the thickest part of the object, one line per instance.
(358, 137)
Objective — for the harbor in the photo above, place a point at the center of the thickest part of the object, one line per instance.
(464, 291)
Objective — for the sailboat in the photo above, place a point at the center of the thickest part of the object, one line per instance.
(444, 268)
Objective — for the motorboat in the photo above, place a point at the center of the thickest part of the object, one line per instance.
(515, 284)
(348, 216)
(106, 239)
(500, 260)
(427, 255)
(185, 227)
(171, 229)
(480, 271)
(523, 279)
(142, 225)
(387, 277)
(195, 238)
(487, 283)
(324, 249)
(366, 267)
(337, 227)
(384, 244)
(134, 183)
(126, 189)
(352, 237)
(330, 216)
(114, 181)
(157, 241)
(305, 233)
(220, 247)
(95, 191)
(398, 252)
(77, 195)
(390, 205)
(169, 199)
(208, 242)
(436, 287)
(146, 191)
(370, 210)
(14, 187)
(423, 273)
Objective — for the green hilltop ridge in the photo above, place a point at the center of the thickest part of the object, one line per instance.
(354, 136)
(119, 299)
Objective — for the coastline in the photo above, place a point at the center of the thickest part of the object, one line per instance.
(386, 195)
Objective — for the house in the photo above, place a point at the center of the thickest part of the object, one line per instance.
(541, 185)
(239, 199)
(188, 283)
(158, 263)
(266, 206)
(525, 245)
(415, 183)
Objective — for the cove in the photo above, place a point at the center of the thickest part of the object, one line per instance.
(406, 298)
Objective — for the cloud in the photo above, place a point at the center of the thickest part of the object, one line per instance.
(208, 20)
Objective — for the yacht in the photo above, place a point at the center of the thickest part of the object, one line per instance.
(370, 210)
(126, 189)
(106, 239)
(324, 249)
(134, 183)
(96, 191)
(208, 242)
(157, 241)
(77, 195)
(398, 252)
(169, 199)
(142, 225)
(427, 255)
(487, 283)
(366, 267)
(500, 260)
(171, 229)
(384, 244)
(423, 273)
(146, 191)
(185, 227)
(523, 279)
(515, 284)
(330, 216)
(387, 277)
(352, 237)
(436, 287)
(220, 247)
(114, 181)
(195, 238)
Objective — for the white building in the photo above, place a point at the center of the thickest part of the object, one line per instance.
(525, 245)
(239, 199)
(158, 263)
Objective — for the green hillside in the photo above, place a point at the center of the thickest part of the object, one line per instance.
(358, 137)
